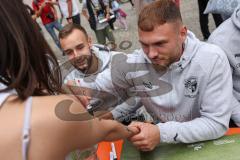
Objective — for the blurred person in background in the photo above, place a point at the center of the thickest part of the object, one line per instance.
(203, 18)
(119, 13)
(48, 14)
(70, 11)
(97, 12)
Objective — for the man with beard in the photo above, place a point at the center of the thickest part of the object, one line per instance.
(91, 65)
(87, 59)
(185, 84)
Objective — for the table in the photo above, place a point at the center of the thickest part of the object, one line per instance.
(230, 144)
(225, 148)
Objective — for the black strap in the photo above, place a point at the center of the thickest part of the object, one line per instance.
(92, 20)
(103, 6)
(92, 4)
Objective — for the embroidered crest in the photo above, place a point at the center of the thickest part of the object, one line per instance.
(237, 55)
(191, 86)
(148, 85)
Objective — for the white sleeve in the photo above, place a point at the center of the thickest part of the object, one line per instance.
(236, 111)
(215, 111)
(106, 2)
(84, 6)
(115, 6)
(127, 107)
(70, 76)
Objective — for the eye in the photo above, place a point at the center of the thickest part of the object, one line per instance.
(144, 45)
(79, 47)
(160, 44)
(68, 52)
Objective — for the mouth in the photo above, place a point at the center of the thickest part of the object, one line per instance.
(160, 64)
(80, 63)
(157, 61)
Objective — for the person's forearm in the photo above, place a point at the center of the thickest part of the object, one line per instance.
(53, 2)
(54, 12)
(39, 12)
(69, 2)
(200, 129)
(107, 11)
(117, 131)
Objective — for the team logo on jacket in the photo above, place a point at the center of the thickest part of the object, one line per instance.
(191, 86)
(237, 56)
(148, 85)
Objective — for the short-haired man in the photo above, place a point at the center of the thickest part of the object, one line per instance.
(184, 83)
(88, 60)
(90, 65)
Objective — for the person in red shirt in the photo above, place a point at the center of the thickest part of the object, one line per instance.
(48, 14)
(177, 2)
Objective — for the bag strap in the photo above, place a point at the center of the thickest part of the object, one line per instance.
(102, 4)
(92, 4)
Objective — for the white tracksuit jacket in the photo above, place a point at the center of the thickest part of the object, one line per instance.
(227, 36)
(191, 101)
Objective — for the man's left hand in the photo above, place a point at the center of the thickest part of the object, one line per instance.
(70, 20)
(148, 137)
(108, 16)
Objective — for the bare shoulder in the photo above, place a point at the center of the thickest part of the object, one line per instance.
(54, 126)
(50, 135)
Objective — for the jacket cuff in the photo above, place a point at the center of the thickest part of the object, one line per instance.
(168, 134)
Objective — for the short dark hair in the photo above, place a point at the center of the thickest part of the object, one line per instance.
(67, 29)
(26, 60)
(157, 13)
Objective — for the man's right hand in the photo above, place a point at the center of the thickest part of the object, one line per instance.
(147, 138)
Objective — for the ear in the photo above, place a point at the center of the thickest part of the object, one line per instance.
(183, 33)
(90, 41)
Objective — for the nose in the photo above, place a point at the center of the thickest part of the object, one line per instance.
(152, 52)
(75, 53)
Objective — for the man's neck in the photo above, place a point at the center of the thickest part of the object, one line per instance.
(94, 65)
(181, 52)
